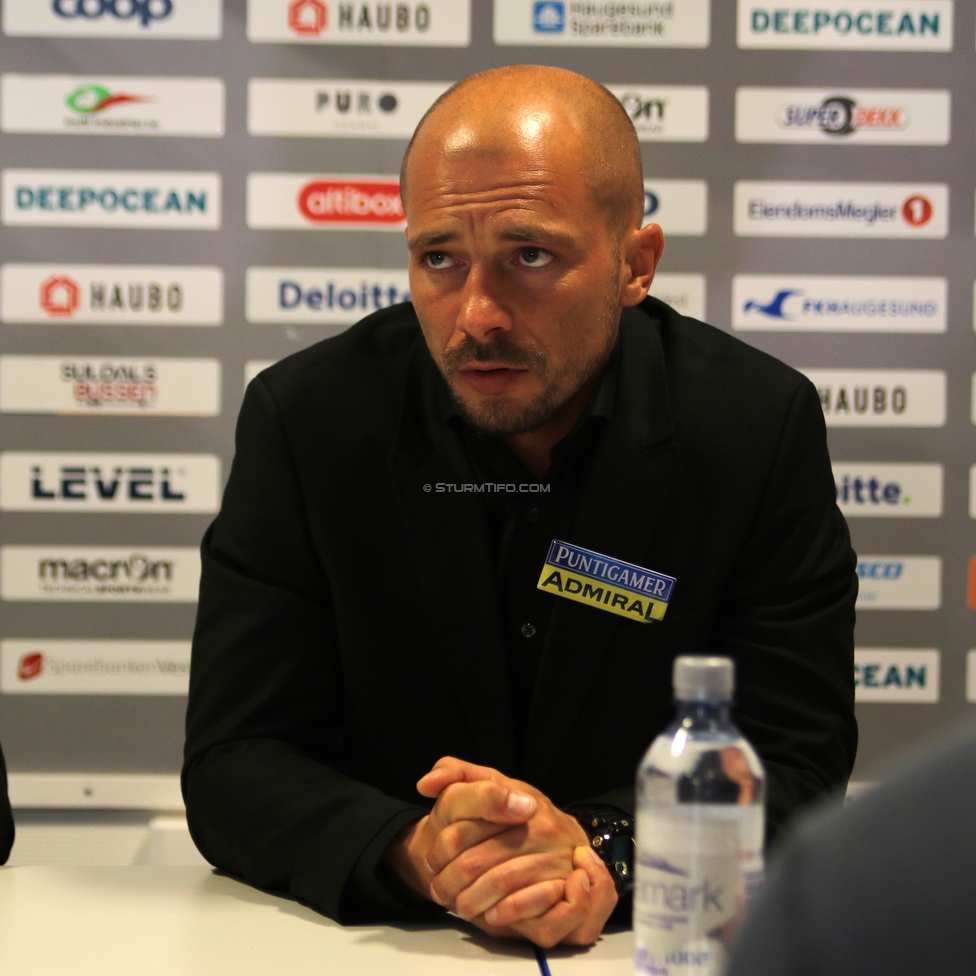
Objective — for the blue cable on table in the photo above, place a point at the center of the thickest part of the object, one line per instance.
(540, 958)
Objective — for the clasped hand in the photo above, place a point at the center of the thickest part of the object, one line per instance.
(497, 852)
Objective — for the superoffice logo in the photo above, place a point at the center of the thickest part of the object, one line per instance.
(113, 18)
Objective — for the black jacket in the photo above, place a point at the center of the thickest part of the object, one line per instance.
(6, 817)
(349, 634)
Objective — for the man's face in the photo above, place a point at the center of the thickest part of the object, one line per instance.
(514, 276)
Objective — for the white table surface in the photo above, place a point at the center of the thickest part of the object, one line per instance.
(164, 921)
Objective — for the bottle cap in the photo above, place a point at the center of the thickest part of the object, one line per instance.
(705, 679)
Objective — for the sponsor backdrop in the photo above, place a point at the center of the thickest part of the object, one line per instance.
(240, 202)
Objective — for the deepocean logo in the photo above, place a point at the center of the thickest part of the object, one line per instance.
(111, 294)
(896, 675)
(821, 303)
(158, 19)
(94, 667)
(302, 201)
(868, 25)
(110, 386)
(429, 23)
(109, 198)
(338, 108)
(877, 490)
(112, 106)
(99, 574)
(878, 210)
(899, 583)
(679, 206)
(881, 397)
(83, 482)
(665, 113)
(321, 296)
(877, 117)
(638, 23)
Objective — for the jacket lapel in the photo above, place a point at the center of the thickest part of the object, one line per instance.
(624, 496)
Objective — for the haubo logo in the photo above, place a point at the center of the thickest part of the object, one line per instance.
(549, 18)
(30, 665)
(307, 18)
(60, 296)
(888, 490)
(92, 99)
(881, 397)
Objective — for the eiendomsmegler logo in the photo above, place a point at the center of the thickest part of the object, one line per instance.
(30, 666)
(372, 203)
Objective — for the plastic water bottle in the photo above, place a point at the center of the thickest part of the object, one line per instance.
(700, 824)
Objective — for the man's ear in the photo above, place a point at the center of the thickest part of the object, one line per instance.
(642, 251)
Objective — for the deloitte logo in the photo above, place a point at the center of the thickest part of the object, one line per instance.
(143, 11)
(549, 18)
(92, 99)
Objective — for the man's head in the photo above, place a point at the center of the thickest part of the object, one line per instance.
(524, 197)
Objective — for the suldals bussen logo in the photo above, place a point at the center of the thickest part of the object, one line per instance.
(357, 203)
(30, 666)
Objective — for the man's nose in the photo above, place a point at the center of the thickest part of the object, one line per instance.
(481, 312)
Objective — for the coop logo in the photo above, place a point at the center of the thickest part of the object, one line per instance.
(888, 490)
(82, 482)
(113, 18)
(870, 25)
(85, 198)
(99, 574)
(899, 583)
(894, 674)
(322, 296)
(433, 23)
(94, 667)
(819, 303)
(549, 18)
(94, 294)
(880, 397)
(880, 210)
(327, 202)
(665, 113)
(679, 206)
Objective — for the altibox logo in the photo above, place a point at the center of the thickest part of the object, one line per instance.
(112, 106)
(109, 386)
(820, 303)
(774, 209)
(99, 574)
(881, 397)
(166, 19)
(685, 293)
(835, 118)
(94, 667)
(111, 294)
(888, 490)
(896, 674)
(868, 25)
(665, 113)
(307, 202)
(899, 583)
(434, 23)
(322, 296)
(676, 23)
(153, 484)
(93, 198)
(338, 108)
(679, 206)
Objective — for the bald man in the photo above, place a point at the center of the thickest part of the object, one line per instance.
(462, 543)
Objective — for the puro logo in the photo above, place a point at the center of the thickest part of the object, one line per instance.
(430, 23)
(888, 490)
(823, 117)
(869, 25)
(321, 296)
(113, 18)
(99, 574)
(665, 113)
(899, 583)
(94, 667)
(896, 674)
(880, 397)
(679, 206)
(95, 294)
(112, 106)
(820, 303)
(685, 293)
(676, 23)
(89, 198)
(879, 210)
(124, 483)
(338, 108)
(294, 200)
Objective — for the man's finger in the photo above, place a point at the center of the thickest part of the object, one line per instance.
(486, 800)
(505, 879)
(449, 770)
(567, 916)
(458, 837)
(602, 897)
(528, 903)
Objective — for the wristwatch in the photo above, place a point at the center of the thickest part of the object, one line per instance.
(611, 833)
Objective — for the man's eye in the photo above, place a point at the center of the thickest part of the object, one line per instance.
(437, 260)
(534, 257)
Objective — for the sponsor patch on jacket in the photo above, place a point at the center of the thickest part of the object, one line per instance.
(605, 583)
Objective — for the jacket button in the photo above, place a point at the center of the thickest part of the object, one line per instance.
(528, 630)
(532, 515)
